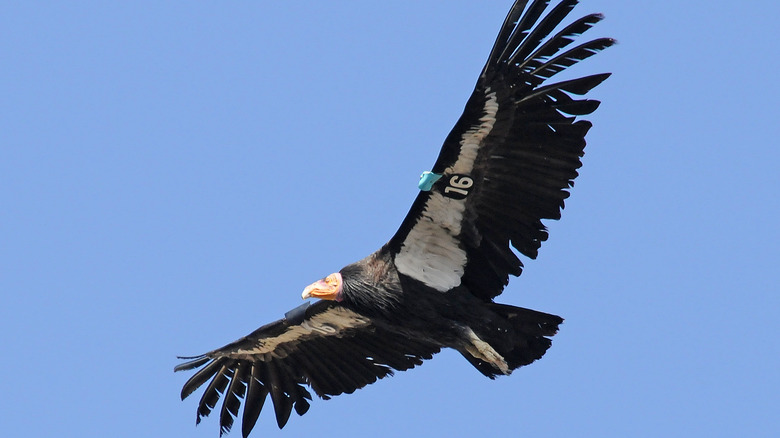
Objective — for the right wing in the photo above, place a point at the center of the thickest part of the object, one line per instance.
(509, 161)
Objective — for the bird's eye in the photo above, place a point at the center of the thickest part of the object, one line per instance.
(332, 279)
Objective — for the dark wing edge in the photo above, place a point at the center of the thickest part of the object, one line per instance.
(331, 349)
(526, 148)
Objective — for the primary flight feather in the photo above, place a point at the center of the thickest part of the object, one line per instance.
(506, 165)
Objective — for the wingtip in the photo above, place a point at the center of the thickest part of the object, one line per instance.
(194, 362)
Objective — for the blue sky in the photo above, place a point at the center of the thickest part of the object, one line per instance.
(172, 174)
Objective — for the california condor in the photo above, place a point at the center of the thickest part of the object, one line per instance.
(506, 165)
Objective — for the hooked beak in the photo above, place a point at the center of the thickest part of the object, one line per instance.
(329, 288)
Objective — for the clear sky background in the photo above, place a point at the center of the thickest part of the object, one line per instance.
(172, 174)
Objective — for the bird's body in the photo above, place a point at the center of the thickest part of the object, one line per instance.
(486, 333)
(506, 165)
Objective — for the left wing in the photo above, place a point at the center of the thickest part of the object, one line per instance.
(325, 345)
(509, 160)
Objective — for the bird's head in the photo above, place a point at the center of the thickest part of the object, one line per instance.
(329, 288)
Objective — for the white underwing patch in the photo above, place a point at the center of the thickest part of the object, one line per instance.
(431, 252)
(331, 322)
(472, 139)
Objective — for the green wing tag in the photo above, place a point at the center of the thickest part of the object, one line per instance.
(427, 179)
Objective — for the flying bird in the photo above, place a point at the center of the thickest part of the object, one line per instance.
(506, 165)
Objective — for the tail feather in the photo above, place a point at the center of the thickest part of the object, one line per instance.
(525, 340)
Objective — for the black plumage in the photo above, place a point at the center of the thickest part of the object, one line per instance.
(506, 165)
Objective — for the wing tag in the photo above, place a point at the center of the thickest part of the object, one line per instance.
(458, 186)
(427, 180)
(298, 314)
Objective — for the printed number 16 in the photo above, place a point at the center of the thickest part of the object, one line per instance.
(459, 184)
